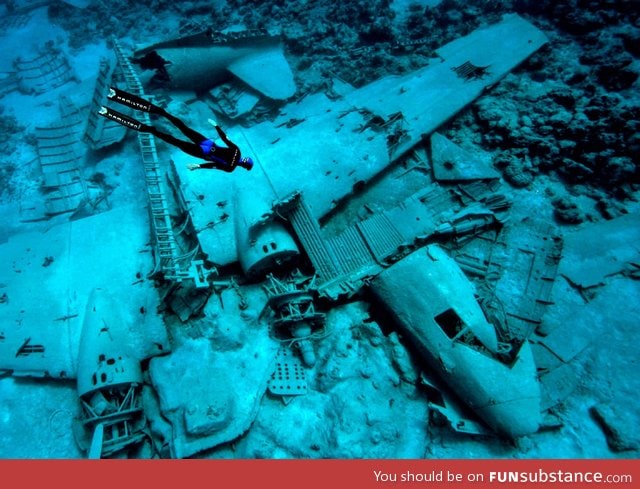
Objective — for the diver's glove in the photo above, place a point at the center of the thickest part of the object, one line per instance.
(213, 123)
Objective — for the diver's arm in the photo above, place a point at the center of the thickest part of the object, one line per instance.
(224, 137)
(197, 166)
(208, 165)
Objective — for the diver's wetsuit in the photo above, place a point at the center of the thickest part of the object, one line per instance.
(218, 157)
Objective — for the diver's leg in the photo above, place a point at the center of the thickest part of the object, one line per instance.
(138, 103)
(186, 146)
(195, 136)
(123, 119)
(131, 100)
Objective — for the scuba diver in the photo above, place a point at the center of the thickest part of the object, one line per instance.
(217, 157)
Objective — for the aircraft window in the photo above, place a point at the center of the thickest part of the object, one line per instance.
(111, 361)
(265, 249)
(103, 377)
(455, 329)
(273, 246)
(101, 358)
(94, 379)
(450, 322)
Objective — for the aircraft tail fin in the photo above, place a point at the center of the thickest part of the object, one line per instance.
(266, 71)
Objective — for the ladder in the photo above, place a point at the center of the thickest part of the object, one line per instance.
(167, 256)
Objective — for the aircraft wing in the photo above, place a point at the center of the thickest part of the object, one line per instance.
(48, 279)
(41, 320)
(330, 148)
(45, 351)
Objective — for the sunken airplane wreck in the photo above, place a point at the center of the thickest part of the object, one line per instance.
(109, 381)
(414, 258)
(446, 324)
(206, 59)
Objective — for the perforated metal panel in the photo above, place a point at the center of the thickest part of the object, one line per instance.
(288, 378)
